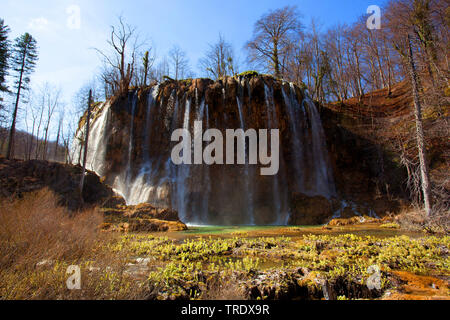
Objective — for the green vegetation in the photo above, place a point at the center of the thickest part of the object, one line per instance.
(236, 264)
(390, 226)
(186, 82)
(4, 55)
(24, 58)
(249, 74)
(186, 268)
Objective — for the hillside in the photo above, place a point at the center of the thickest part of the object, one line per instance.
(387, 121)
(28, 146)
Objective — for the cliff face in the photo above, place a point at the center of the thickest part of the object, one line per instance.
(19, 177)
(130, 145)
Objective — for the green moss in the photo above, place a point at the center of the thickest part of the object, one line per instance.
(186, 82)
(390, 226)
(249, 74)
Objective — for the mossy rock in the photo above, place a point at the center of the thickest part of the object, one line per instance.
(249, 74)
(390, 226)
(186, 82)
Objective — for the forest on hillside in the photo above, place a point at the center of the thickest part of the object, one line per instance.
(345, 61)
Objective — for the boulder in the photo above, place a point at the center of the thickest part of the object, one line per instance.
(310, 210)
(143, 211)
(141, 218)
(144, 225)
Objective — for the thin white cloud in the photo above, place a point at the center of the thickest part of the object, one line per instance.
(40, 24)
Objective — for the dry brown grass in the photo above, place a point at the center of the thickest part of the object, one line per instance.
(415, 219)
(36, 228)
(39, 240)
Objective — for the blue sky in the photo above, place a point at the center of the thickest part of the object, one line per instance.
(66, 56)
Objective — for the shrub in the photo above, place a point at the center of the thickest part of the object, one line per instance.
(36, 228)
(39, 240)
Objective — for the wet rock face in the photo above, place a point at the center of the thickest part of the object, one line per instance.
(364, 172)
(310, 210)
(130, 145)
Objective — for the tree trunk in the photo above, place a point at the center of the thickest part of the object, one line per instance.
(38, 143)
(276, 61)
(426, 188)
(86, 140)
(10, 152)
(57, 143)
(30, 147)
(358, 76)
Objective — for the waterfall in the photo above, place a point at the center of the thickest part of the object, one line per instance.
(182, 172)
(292, 106)
(208, 194)
(151, 101)
(248, 188)
(207, 177)
(201, 172)
(95, 159)
(128, 177)
(280, 198)
(304, 120)
(324, 182)
(142, 189)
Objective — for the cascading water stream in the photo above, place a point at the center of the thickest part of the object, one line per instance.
(182, 171)
(205, 194)
(142, 187)
(207, 177)
(123, 181)
(248, 189)
(151, 101)
(96, 149)
(324, 184)
(292, 106)
(280, 199)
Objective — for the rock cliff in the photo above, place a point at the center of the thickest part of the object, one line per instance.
(130, 146)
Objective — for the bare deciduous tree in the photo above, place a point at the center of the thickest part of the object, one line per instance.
(219, 61)
(119, 66)
(179, 62)
(86, 144)
(426, 187)
(272, 39)
(52, 96)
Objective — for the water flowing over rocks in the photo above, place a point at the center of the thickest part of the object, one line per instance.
(130, 146)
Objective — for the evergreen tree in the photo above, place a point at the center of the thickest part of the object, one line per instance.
(4, 55)
(24, 58)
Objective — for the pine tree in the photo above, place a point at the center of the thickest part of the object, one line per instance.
(4, 55)
(24, 58)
